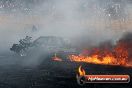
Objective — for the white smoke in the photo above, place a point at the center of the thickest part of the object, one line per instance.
(79, 20)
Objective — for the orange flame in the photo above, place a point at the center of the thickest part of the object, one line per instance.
(115, 56)
(55, 58)
(93, 59)
(81, 71)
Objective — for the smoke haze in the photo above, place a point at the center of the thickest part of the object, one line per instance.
(82, 21)
(66, 18)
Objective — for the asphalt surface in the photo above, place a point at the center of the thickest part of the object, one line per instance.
(52, 74)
